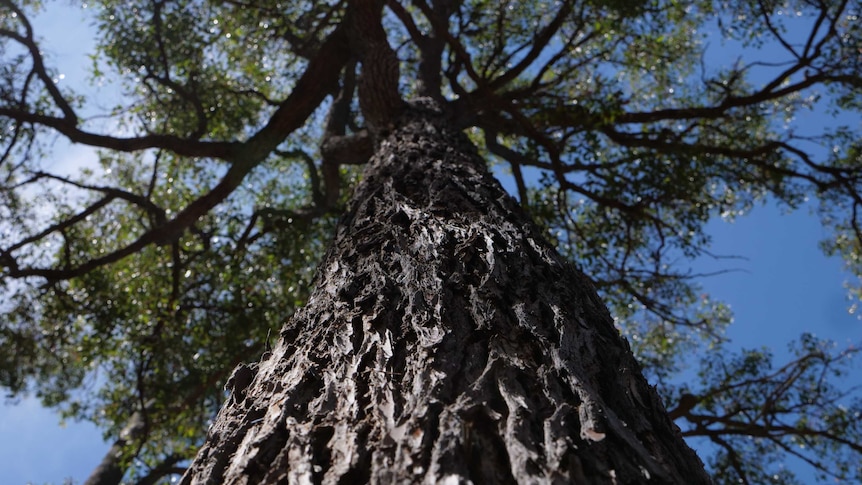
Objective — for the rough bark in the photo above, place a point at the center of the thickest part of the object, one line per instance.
(379, 98)
(445, 342)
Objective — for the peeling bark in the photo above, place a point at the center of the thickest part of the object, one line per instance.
(445, 341)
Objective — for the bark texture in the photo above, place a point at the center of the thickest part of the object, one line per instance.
(445, 342)
(379, 98)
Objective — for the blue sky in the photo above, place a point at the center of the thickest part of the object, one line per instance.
(783, 287)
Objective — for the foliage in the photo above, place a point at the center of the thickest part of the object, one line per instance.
(745, 406)
(148, 277)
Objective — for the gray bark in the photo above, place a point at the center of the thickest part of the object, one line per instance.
(445, 342)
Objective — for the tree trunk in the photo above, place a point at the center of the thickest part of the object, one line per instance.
(445, 342)
(114, 464)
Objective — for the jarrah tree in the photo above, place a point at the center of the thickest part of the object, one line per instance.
(444, 341)
(449, 332)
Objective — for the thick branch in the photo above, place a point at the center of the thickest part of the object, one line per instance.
(379, 98)
(311, 89)
(111, 470)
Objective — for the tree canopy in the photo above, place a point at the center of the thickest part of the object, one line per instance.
(139, 283)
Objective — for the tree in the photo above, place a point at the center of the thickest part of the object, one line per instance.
(439, 317)
(423, 357)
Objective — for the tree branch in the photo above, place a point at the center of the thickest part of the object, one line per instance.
(311, 89)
